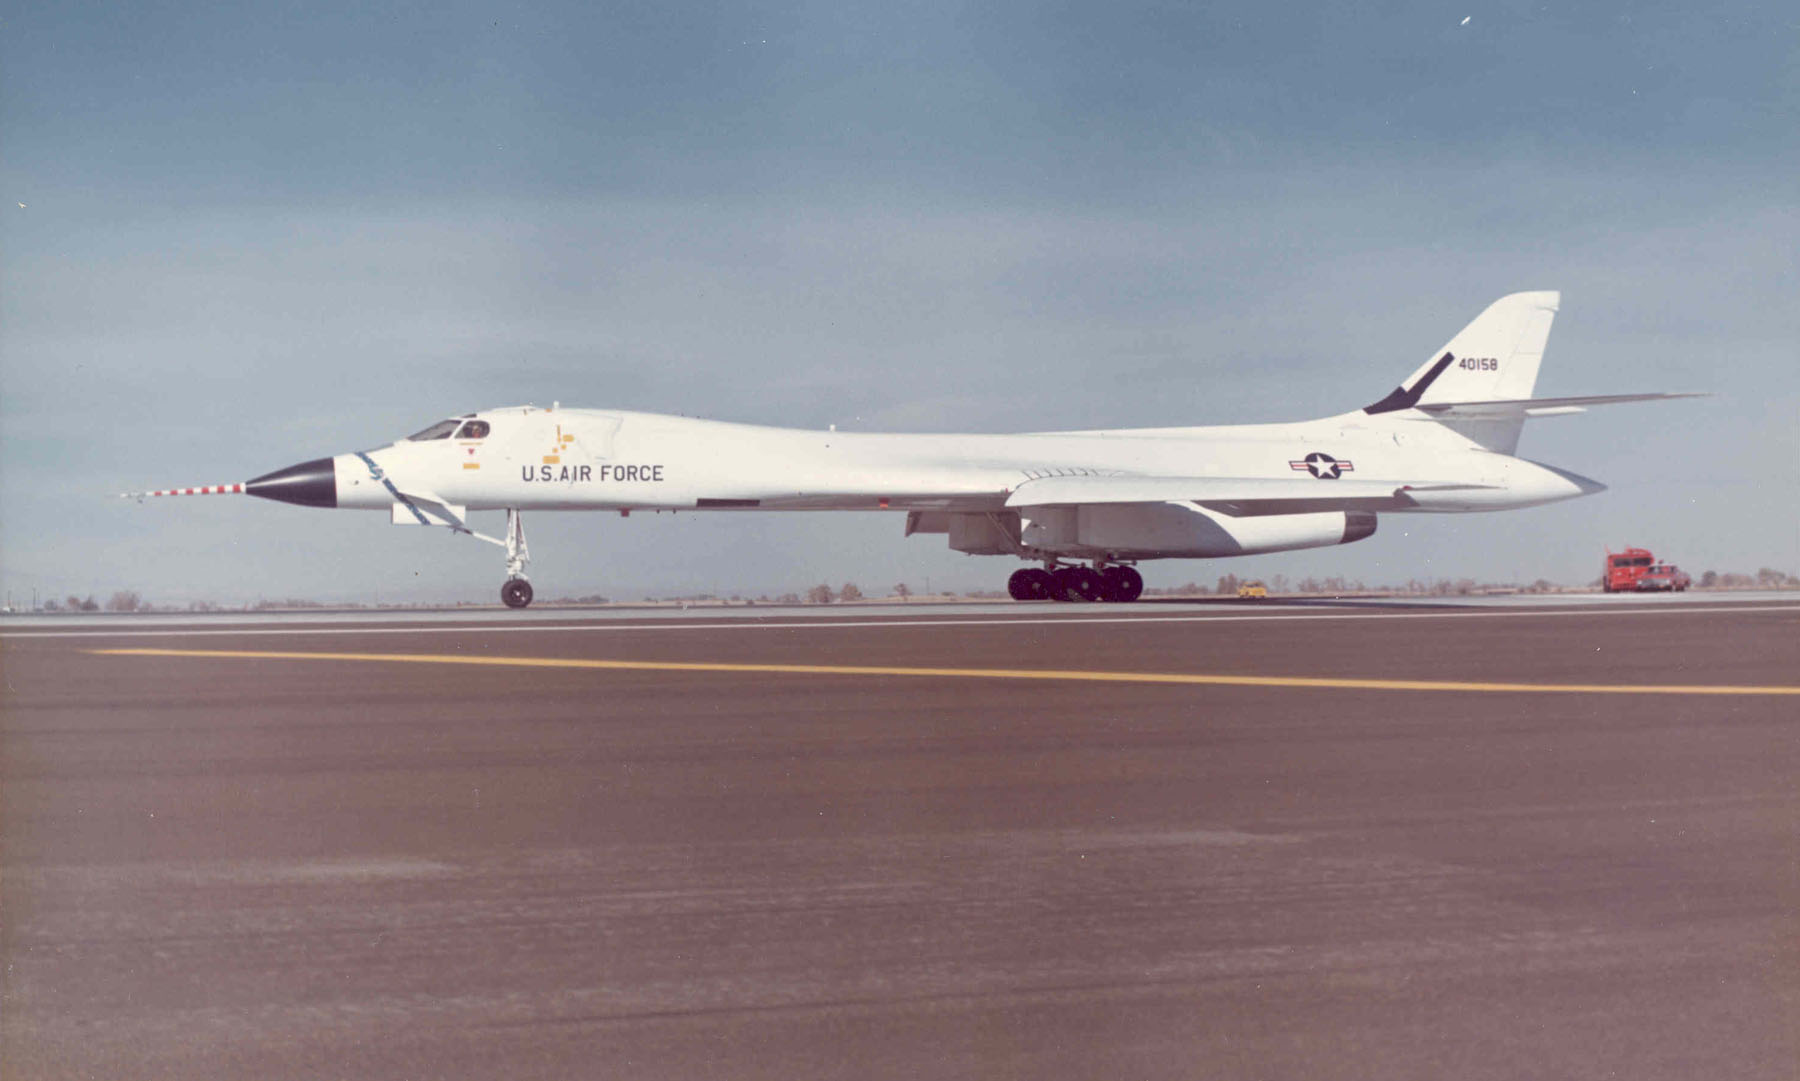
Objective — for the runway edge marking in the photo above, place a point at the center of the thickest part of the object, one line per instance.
(1061, 675)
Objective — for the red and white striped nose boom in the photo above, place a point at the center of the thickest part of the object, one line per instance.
(210, 489)
(309, 484)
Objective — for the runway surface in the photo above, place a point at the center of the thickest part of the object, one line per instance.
(1350, 841)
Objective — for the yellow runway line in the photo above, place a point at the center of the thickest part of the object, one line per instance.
(1065, 675)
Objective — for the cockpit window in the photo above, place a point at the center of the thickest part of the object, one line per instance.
(475, 429)
(440, 430)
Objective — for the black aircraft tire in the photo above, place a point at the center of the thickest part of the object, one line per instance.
(1021, 586)
(516, 593)
(1121, 585)
(1078, 584)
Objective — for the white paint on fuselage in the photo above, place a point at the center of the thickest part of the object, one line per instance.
(578, 459)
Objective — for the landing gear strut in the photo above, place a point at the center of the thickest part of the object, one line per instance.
(516, 593)
(1116, 583)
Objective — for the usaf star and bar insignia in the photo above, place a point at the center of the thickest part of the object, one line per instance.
(1323, 466)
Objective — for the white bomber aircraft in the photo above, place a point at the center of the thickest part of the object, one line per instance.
(1086, 505)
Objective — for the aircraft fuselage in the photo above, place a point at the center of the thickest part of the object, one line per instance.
(579, 459)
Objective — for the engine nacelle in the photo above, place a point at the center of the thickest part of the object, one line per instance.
(1182, 531)
(978, 534)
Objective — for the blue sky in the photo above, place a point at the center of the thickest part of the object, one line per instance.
(254, 235)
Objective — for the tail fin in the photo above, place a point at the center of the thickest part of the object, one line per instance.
(1494, 358)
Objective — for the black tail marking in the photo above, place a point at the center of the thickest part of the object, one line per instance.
(1407, 397)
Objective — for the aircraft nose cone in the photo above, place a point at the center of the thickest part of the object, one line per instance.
(309, 484)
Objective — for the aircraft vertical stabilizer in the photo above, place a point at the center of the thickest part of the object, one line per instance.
(1496, 357)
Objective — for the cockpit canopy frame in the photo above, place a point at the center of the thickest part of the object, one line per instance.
(457, 426)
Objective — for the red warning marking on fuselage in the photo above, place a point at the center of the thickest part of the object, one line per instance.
(211, 489)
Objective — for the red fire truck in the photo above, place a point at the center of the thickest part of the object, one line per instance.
(1635, 570)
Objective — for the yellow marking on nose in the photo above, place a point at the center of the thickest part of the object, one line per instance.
(1040, 674)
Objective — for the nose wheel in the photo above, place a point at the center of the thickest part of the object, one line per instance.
(516, 593)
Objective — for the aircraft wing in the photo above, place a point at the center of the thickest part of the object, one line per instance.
(1499, 408)
(1237, 496)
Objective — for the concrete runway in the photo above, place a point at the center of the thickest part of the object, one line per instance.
(1343, 842)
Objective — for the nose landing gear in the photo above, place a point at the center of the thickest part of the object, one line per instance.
(516, 593)
(1117, 583)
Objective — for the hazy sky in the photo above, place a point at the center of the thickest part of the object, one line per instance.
(258, 234)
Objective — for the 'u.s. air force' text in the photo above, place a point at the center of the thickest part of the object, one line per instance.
(570, 474)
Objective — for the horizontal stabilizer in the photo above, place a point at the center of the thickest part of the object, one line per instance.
(1500, 408)
(1237, 496)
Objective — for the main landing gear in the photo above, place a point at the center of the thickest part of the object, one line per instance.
(1117, 583)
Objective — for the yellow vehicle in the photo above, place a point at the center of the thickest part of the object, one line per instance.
(1253, 589)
